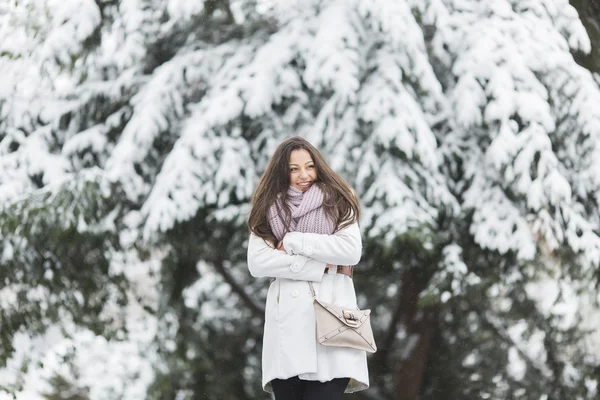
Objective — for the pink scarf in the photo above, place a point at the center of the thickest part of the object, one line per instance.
(307, 210)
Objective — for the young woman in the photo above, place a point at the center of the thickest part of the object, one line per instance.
(304, 227)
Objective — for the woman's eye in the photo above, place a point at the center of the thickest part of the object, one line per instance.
(293, 169)
(311, 166)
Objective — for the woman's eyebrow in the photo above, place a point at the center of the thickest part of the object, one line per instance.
(304, 164)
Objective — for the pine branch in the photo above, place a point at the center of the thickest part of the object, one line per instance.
(502, 334)
(256, 309)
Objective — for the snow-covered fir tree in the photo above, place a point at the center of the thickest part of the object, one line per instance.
(133, 132)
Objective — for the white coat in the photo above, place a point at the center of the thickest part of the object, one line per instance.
(289, 343)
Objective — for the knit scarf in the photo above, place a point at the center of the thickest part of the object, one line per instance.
(307, 210)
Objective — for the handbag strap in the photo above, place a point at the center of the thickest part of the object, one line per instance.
(312, 290)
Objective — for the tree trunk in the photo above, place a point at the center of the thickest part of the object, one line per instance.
(589, 13)
(420, 327)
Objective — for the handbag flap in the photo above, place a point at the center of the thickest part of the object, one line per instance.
(347, 316)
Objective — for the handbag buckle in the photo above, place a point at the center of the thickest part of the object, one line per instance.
(350, 317)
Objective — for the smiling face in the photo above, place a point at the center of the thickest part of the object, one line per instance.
(302, 170)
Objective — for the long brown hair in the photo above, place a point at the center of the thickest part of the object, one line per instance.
(339, 202)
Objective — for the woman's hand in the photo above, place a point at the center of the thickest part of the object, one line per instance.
(280, 246)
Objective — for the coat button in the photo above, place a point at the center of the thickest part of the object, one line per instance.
(309, 249)
(294, 293)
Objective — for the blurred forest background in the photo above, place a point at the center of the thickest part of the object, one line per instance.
(133, 132)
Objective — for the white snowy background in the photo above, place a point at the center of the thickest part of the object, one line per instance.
(469, 111)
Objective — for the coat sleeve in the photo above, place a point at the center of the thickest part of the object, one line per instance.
(341, 248)
(265, 261)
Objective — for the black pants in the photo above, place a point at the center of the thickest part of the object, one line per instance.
(298, 389)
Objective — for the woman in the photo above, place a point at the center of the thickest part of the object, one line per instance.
(304, 227)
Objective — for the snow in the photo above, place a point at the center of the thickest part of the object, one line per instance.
(202, 169)
(332, 58)
(72, 22)
(104, 369)
(457, 118)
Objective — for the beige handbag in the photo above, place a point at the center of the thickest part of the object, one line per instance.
(341, 327)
